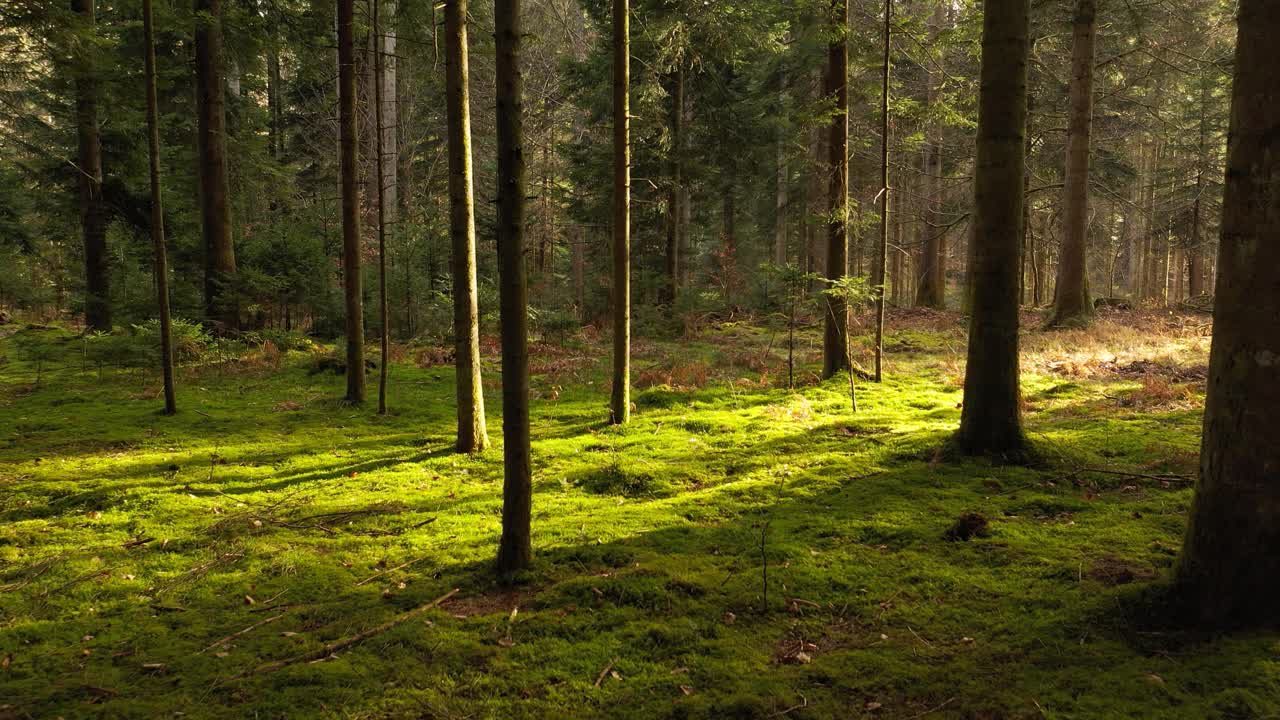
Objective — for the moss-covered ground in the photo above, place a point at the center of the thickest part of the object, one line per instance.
(156, 566)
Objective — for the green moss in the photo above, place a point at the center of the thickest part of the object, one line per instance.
(132, 543)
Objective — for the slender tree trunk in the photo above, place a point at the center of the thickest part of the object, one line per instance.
(580, 273)
(275, 114)
(674, 194)
(1229, 572)
(991, 420)
(932, 275)
(882, 255)
(835, 337)
(472, 431)
(161, 264)
(351, 270)
(1071, 303)
(515, 549)
(620, 402)
(221, 303)
(93, 216)
(1196, 250)
(384, 313)
(780, 183)
(388, 105)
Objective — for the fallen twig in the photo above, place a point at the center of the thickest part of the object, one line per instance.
(1123, 473)
(603, 673)
(932, 710)
(235, 635)
(338, 645)
(379, 574)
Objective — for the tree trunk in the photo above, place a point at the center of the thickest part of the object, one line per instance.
(991, 420)
(620, 400)
(350, 203)
(385, 70)
(780, 182)
(472, 432)
(221, 303)
(932, 275)
(882, 254)
(93, 216)
(1229, 572)
(515, 549)
(674, 215)
(1196, 250)
(380, 165)
(1071, 304)
(161, 264)
(834, 357)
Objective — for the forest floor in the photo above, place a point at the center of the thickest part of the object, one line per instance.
(197, 566)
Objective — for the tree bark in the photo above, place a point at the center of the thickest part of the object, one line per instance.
(159, 259)
(675, 227)
(472, 431)
(620, 401)
(1229, 572)
(882, 253)
(781, 181)
(991, 420)
(384, 313)
(93, 216)
(932, 276)
(1071, 304)
(835, 336)
(515, 549)
(348, 141)
(221, 303)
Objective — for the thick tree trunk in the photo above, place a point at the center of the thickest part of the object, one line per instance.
(1071, 304)
(515, 549)
(472, 433)
(991, 421)
(620, 400)
(834, 357)
(221, 303)
(159, 259)
(351, 271)
(1229, 572)
(932, 275)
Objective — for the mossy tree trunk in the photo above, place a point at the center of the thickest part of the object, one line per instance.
(221, 304)
(159, 256)
(515, 549)
(1229, 572)
(93, 215)
(350, 202)
(1071, 304)
(472, 432)
(835, 328)
(620, 401)
(991, 421)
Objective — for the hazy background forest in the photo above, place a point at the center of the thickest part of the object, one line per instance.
(806, 359)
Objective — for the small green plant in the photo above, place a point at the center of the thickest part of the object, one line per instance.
(855, 292)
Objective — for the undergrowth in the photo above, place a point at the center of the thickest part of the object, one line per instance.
(157, 567)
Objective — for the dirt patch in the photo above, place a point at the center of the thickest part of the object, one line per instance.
(1112, 571)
